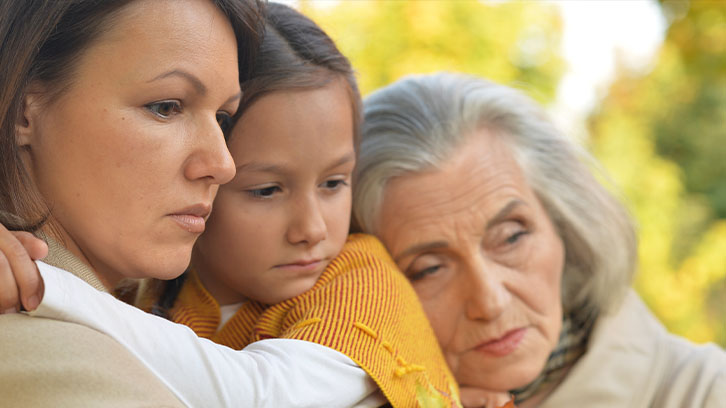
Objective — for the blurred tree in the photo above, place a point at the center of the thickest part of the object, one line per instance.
(516, 43)
(663, 139)
(682, 244)
(692, 132)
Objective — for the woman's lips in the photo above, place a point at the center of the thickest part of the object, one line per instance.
(192, 218)
(192, 223)
(504, 345)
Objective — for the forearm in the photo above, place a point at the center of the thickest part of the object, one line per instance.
(200, 372)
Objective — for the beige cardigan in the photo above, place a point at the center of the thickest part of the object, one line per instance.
(46, 363)
(632, 361)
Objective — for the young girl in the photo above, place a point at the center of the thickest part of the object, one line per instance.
(275, 260)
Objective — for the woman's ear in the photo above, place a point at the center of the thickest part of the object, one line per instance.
(26, 124)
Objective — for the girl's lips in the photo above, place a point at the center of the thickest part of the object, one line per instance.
(192, 223)
(300, 267)
(504, 345)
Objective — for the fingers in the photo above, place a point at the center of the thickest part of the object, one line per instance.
(479, 398)
(19, 276)
(36, 247)
(9, 294)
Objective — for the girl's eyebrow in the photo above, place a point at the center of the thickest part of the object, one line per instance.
(274, 168)
(260, 167)
(347, 158)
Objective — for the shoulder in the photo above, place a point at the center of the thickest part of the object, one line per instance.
(365, 308)
(48, 361)
(633, 361)
(363, 259)
(693, 374)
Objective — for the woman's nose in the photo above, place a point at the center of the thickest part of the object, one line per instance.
(487, 295)
(307, 225)
(210, 159)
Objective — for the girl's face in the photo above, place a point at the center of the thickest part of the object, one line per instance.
(285, 215)
(129, 158)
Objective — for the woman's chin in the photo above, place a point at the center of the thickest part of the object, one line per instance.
(506, 376)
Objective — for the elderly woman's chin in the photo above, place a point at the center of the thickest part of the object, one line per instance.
(482, 368)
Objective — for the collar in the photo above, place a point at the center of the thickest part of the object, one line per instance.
(60, 257)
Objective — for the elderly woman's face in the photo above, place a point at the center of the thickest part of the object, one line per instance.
(485, 260)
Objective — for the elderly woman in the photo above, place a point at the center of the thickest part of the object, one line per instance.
(522, 259)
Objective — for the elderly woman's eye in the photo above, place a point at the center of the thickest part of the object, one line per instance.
(423, 273)
(165, 109)
(512, 239)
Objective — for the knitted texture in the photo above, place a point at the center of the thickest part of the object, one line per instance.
(361, 306)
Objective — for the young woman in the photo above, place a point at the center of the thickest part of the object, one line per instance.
(110, 147)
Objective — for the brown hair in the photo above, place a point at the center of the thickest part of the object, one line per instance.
(41, 41)
(297, 54)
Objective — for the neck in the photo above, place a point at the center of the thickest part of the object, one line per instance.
(64, 239)
(221, 292)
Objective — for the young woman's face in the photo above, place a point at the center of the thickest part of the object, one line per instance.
(484, 259)
(285, 215)
(129, 158)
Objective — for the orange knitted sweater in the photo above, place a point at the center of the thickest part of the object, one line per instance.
(361, 306)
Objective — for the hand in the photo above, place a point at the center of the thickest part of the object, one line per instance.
(479, 398)
(20, 279)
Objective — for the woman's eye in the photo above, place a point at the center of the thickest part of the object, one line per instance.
(424, 273)
(224, 120)
(263, 192)
(165, 109)
(512, 239)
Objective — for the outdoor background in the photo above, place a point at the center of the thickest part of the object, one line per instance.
(641, 83)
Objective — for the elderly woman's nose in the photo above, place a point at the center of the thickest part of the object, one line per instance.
(307, 224)
(487, 296)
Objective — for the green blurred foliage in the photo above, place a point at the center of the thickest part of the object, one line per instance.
(515, 43)
(660, 136)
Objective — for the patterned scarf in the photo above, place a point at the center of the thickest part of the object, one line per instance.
(576, 328)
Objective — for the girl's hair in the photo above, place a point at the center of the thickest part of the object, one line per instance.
(415, 125)
(295, 54)
(41, 42)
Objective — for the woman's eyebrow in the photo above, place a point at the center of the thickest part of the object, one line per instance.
(196, 83)
(504, 212)
(426, 246)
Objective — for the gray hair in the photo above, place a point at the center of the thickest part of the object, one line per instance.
(416, 123)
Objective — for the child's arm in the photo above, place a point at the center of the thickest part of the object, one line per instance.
(19, 277)
(201, 373)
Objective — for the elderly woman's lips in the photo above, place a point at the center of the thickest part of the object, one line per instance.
(503, 345)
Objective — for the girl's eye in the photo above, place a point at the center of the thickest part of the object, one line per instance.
(165, 109)
(334, 184)
(264, 192)
(424, 273)
(225, 122)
